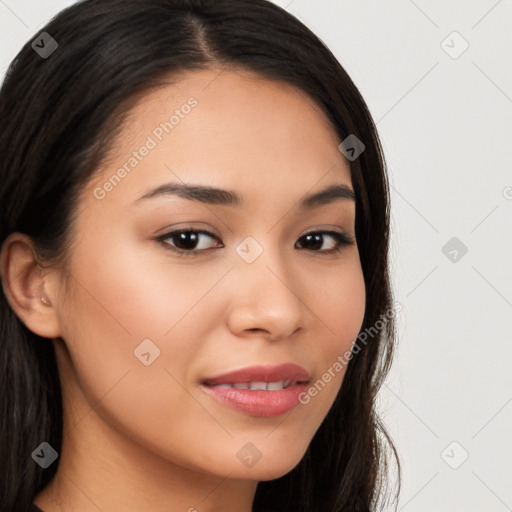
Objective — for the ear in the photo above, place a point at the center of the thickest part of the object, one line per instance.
(24, 286)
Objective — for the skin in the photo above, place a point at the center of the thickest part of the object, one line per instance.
(142, 437)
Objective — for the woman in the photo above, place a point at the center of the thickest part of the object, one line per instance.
(197, 312)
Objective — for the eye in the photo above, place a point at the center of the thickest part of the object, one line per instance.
(189, 242)
(316, 239)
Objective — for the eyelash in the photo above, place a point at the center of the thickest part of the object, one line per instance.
(342, 240)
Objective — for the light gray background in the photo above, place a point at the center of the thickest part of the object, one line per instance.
(446, 126)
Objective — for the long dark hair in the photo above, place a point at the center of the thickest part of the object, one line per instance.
(59, 118)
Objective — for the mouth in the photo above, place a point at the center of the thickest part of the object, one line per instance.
(257, 386)
(286, 374)
(262, 391)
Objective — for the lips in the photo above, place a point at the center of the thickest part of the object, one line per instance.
(265, 391)
(261, 374)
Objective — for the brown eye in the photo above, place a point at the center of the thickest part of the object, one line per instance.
(314, 241)
(187, 240)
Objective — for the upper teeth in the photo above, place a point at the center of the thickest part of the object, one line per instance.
(259, 385)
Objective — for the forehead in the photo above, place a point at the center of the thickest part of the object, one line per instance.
(226, 128)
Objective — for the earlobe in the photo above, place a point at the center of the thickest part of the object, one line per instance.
(24, 286)
(45, 301)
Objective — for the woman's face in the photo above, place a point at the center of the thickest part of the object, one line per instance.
(143, 326)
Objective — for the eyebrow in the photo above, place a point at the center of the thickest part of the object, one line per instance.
(213, 195)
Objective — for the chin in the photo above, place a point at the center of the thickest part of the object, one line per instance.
(268, 468)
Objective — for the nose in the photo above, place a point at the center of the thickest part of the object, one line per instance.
(265, 300)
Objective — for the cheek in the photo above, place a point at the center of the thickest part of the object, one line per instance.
(120, 298)
(116, 301)
(340, 314)
(123, 289)
(342, 308)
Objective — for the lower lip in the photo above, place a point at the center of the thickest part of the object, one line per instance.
(265, 404)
